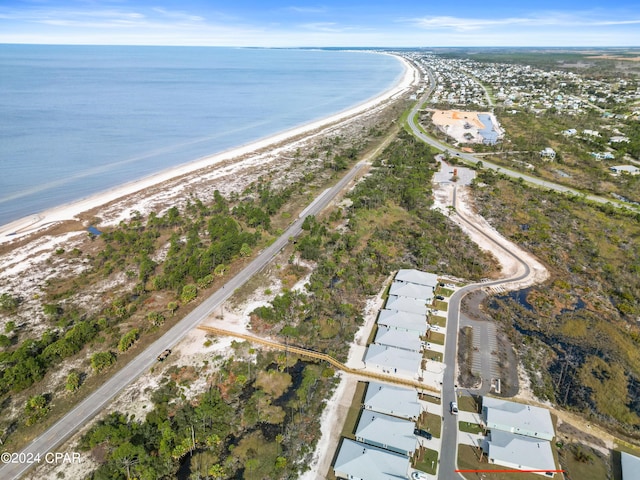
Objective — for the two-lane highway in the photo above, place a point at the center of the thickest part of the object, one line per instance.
(98, 400)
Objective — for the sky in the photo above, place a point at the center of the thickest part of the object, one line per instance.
(326, 23)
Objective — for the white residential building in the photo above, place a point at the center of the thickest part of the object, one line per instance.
(384, 431)
(357, 461)
(392, 400)
(548, 153)
(513, 417)
(520, 452)
(393, 361)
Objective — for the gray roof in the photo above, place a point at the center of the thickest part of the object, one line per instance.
(518, 451)
(393, 359)
(386, 431)
(406, 304)
(403, 320)
(630, 466)
(364, 462)
(398, 338)
(517, 418)
(412, 290)
(417, 276)
(398, 401)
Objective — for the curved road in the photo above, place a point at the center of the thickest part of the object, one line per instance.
(449, 437)
(449, 442)
(98, 400)
(471, 159)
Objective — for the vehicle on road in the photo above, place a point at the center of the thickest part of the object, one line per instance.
(453, 408)
(422, 433)
(164, 355)
(417, 475)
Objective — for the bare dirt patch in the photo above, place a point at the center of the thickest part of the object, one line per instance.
(463, 127)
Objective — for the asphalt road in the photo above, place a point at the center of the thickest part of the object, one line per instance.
(449, 443)
(98, 400)
(471, 159)
(449, 438)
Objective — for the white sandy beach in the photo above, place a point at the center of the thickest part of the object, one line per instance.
(37, 222)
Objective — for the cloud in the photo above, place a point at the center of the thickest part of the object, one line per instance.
(541, 19)
(306, 10)
(178, 16)
(330, 27)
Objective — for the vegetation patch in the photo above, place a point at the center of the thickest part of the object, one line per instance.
(579, 335)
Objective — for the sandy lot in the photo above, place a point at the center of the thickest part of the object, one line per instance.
(457, 124)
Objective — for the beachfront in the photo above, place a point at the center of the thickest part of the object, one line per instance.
(247, 154)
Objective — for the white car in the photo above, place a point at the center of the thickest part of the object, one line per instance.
(418, 475)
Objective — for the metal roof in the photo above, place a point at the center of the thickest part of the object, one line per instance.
(392, 400)
(398, 338)
(517, 418)
(360, 461)
(412, 290)
(393, 359)
(630, 466)
(518, 451)
(406, 304)
(403, 320)
(418, 277)
(386, 431)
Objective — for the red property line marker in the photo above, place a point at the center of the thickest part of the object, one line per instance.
(509, 471)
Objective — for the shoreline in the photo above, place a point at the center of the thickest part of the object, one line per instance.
(30, 224)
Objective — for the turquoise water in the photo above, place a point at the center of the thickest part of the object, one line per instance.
(76, 120)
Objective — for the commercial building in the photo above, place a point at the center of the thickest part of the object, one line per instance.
(391, 400)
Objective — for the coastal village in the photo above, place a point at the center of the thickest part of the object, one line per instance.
(396, 406)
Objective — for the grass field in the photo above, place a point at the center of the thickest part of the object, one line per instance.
(433, 355)
(354, 411)
(581, 461)
(432, 423)
(468, 404)
(437, 338)
(426, 461)
(469, 427)
(438, 320)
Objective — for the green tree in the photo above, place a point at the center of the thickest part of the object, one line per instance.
(217, 471)
(128, 339)
(189, 293)
(8, 302)
(102, 360)
(172, 307)
(155, 318)
(36, 408)
(73, 382)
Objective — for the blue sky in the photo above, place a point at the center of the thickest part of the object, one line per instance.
(282, 23)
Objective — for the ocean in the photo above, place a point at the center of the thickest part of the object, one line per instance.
(78, 120)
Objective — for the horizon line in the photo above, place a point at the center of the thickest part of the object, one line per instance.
(423, 47)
